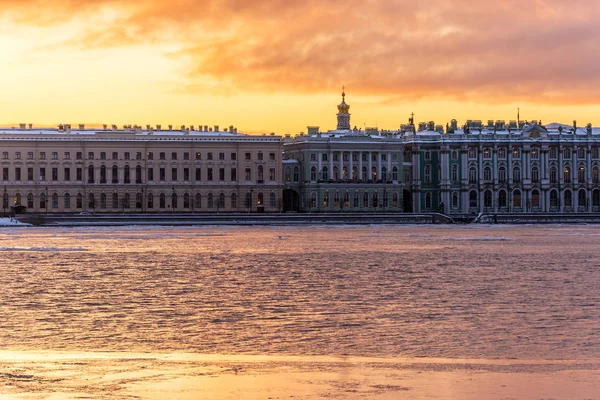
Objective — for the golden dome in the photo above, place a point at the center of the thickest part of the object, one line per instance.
(343, 108)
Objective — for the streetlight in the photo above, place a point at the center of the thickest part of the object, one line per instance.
(46, 200)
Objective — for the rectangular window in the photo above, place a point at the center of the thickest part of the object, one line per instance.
(248, 156)
(5, 174)
(79, 155)
(186, 156)
(313, 157)
(138, 155)
(209, 156)
(30, 155)
(161, 155)
(162, 174)
(5, 155)
(54, 174)
(248, 174)
(221, 174)
(272, 174)
(67, 155)
(103, 155)
(233, 156)
(150, 174)
(186, 174)
(42, 155)
(115, 155)
(42, 174)
(30, 174)
(173, 156)
(198, 155)
(221, 156)
(233, 174)
(173, 174)
(198, 174)
(17, 174)
(67, 172)
(272, 156)
(209, 174)
(127, 155)
(90, 155)
(150, 155)
(79, 173)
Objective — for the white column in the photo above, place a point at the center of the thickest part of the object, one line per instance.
(319, 165)
(369, 173)
(350, 165)
(341, 173)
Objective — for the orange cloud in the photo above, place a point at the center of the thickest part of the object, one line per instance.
(541, 51)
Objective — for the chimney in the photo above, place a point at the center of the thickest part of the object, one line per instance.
(150, 131)
(192, 128)
(60, 127)
(81, 127)
(216, 128)
(22, 126)
(105, 126)
(114, 128)
(147, 127)
(231, 128)
(158, 127)
(205, 128)
(170, 127)
(30, 126)
(68, 128)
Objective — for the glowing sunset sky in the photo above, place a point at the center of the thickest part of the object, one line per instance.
(279, 65)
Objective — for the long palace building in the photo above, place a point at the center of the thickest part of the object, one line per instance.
(494, 167)
(139, 170)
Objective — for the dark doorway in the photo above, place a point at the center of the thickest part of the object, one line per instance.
(407, 201)
(291, 201)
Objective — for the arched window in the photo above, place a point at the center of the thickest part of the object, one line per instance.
(55, 200)
(126, 174)
(582, 201)
(395, 173)
(375, 203)
(364, 173)
(427, 173)
(535, 198)
(233, 200)
(356, 202)
(162, 200)
(138, 174)
(326, 199)
(336, 199)
(102, 174)
(553, 174)
(42, 200)
(581, 174)
(325, 173)
(454, 176)
(67, 200)
(455, 200)
(516, 175)
(516, 198)
(502, 198)
(428, 200)
(336, 174)
(103, 201)
(487, 174)
(272, 200)
(595, 174)
(261, 200)
(248, 201)
(516, 153)
(568, 198)
(535, 175)
(186, 200)
(313, 200)
(115, 174)
(567, 152)
(384, 174)
(150, 201)
(126, 200)
(30, 200)
(553, 198)
(221, 203)
(366, 200)
(288, 174)
(261, 175)
(473, 199)
(174, 199)
(79, 201)
(374, 174)
(502, 174)
(487, 199)
(198, 201)
(472, 152)
(354, 173)
(313, 174)
(472, 175)
(211, 201)
(91, 174)
(91, 202)
(567, 175)
(296, 174)
(581, 153)
(395, 200)
(346, 200)
(553, 153)
(596, 198)
(535, 153)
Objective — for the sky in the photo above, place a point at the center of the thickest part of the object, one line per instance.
(280, 65)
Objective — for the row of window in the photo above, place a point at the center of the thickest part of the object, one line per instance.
(365, 200)
(211, 174)
(124, 201)
(535, 174)
(567, 152)
(365, 156)
(138, 156)
(535, 198)
(324, 174)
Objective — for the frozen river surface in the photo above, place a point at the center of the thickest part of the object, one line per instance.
(478, 292)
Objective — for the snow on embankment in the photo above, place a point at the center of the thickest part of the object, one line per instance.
(11, 222)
